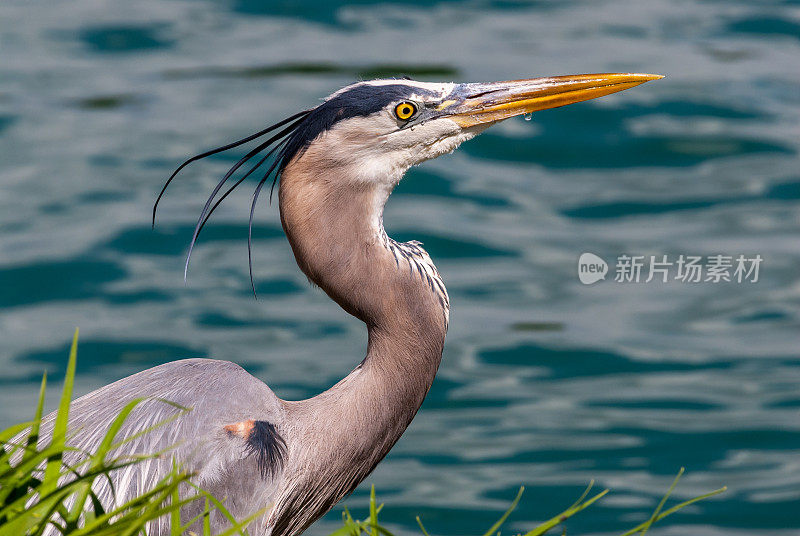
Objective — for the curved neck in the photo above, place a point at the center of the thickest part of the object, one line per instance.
(335, 229)
(334, 224)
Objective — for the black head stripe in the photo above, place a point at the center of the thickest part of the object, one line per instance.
(360, 100)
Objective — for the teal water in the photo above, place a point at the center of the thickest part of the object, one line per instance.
(545, 382)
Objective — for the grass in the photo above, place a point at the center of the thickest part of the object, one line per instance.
(371, 526)
(38, 489)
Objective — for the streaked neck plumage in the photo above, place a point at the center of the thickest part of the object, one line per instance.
(334, 225)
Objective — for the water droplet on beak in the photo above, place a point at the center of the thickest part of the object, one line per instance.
(528, 117)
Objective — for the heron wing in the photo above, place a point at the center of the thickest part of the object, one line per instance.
(185, 408)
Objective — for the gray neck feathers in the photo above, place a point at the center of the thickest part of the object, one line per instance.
(334, 226)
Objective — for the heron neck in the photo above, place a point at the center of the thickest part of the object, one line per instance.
(338, 241)
(334, 225)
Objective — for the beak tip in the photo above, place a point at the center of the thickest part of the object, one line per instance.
(649, 77)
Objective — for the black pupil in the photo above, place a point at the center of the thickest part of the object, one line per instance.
(406, 110)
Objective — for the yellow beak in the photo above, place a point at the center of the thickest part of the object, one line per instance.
(473, 104)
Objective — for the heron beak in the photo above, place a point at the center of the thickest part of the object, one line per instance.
(474, 104)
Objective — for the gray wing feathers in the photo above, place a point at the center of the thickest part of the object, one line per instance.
(217, 394)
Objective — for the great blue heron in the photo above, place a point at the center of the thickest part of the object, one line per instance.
(338, 163)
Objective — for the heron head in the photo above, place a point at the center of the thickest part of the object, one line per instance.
(371, 132)
(380, 128)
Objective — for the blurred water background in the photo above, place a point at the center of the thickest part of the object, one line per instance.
(545, 382)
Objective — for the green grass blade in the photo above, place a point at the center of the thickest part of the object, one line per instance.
(107, 443)
(583, 495)
(503, 518)
(206, 519)
(657, 511)
(224, 511)
(175, 514)
(422, 527)
(350, 529)
(165, 421)
(240, 526)
(373, 512)
(33, 435)
(563, 516)
(13, 431)
(674, 509)
(53, 469)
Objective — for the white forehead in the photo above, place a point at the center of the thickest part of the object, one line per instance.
(443, 88)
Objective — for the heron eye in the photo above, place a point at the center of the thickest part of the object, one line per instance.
(405, 110)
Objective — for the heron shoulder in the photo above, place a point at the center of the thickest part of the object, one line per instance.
(215, 386)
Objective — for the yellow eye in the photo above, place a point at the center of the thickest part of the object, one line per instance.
(405, 110)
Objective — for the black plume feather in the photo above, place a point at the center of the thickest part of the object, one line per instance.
(298, 131)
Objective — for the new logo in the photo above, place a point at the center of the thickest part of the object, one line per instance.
(591, 268)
